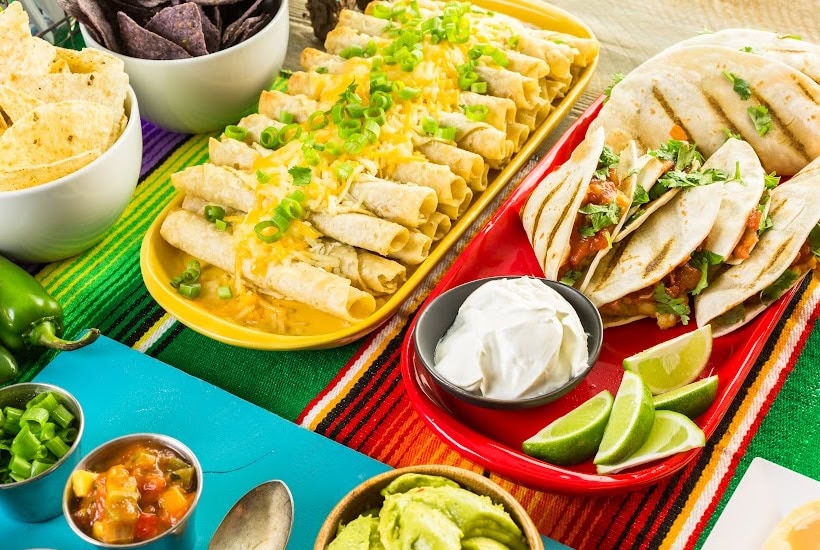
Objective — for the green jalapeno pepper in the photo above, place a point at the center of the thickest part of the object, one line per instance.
(29, 317)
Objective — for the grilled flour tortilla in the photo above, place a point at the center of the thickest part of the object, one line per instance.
(800, 54)
(649, 274)
(706, 92)
(574, 213)
(785, 254)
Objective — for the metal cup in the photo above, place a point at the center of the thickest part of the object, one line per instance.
(181, 535)
(38, 498)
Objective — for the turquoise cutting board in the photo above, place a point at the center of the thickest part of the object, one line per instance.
(238, 444)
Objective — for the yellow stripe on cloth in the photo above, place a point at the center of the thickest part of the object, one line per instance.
(705, 490)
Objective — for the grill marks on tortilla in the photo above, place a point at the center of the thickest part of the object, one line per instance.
(653, 264)
(716, 108)
(543, 206)
(670, 112)
(795, 142)
(564, 213)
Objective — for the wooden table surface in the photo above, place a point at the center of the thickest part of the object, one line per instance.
(631, 31)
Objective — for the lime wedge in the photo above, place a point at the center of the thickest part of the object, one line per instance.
(629, 423)
(691, 400)
(671, 433)
(674, 363)
(574, 437)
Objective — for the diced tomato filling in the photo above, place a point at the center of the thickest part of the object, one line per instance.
(805, 260)
(678, 283)
(750, 236)
(582, 249)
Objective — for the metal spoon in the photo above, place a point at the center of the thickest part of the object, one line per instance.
(262, 518)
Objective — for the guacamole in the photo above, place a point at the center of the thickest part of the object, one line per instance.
(423, 511)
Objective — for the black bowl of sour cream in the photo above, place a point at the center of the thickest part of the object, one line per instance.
(509, 342)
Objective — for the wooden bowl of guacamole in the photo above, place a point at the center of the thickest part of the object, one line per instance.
(445, 506)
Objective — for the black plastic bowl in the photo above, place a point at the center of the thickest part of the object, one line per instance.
(440, 314)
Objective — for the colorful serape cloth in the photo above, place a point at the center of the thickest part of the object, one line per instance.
(354, 394)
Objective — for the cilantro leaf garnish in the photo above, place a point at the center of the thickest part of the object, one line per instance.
(737, 176)
(301, 175)
(747, 49)
(683, 154)
(766, 222)
(676, 178)
(262, 177)
(666, 304)
(771, 180)
(570, 277)
(814, 240)
(701, 261)
(730, 134)
(640, 196)
(616, 78)
(740, 86)
(777, 288)
(599, 216)
(607, 160)
(635, 215)
(761, 119)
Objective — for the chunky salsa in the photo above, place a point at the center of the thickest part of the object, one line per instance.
(145, 490)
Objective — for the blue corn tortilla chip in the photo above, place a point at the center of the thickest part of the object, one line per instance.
(182, 25)
(213, 36)
(140, 42)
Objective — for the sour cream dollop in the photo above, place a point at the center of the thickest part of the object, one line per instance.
(513, 338)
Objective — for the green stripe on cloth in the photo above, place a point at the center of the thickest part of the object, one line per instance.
(281, 382)
(783, 437)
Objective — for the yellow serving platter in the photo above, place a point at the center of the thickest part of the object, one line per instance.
(159, 261)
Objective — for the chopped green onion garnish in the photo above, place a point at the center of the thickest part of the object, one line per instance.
(290, 208)
(467, 79)
(269, 138)
(221, 225)
(429, 125)
(25, 444)
(381, 100)
(514, 41)
(382, 12)
(409, 93)
(372, 130)
(213, 213)
(353, 50)
(479, 87)
(224, 293)
(260, 228)
(370, 49)
(40, 466)
(57, 446)
(446, 133)
(45, 400)
(349, 127)
(343, 171)
(236, 132)
(321, 70)
(288, 133)
(476, 113)
(20, 467)
(354, 110)
(286, 117)
(317, 120)
(355, 144)
(35, 418)
(375, 114)
(333, 148)
(190, 291)
(337, 113)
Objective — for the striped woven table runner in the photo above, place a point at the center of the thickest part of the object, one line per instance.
(354, 394)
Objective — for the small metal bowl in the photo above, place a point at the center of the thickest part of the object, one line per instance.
(440, 314)
(36, 499)
(177, 537)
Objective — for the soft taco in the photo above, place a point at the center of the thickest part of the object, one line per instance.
(785, 254)
(574, 213)
(705, 94)
(652, 273)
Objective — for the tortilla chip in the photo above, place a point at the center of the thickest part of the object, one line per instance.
(30, 176)
(20, 53)
(57, 131)
(96, 16)
(104, 88)
(182, 25)
(231, 31)
(90, 60)
(16, 103)
(3, 125)
(143, 43)
(213, 36)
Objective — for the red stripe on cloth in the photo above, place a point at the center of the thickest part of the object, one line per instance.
(376, 411)
(724, 483)
(336, 380)
(362, 409)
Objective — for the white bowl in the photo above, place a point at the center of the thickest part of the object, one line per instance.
(62, 218)
(206, 93)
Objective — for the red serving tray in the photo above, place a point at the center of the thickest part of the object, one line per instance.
(493, 438)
